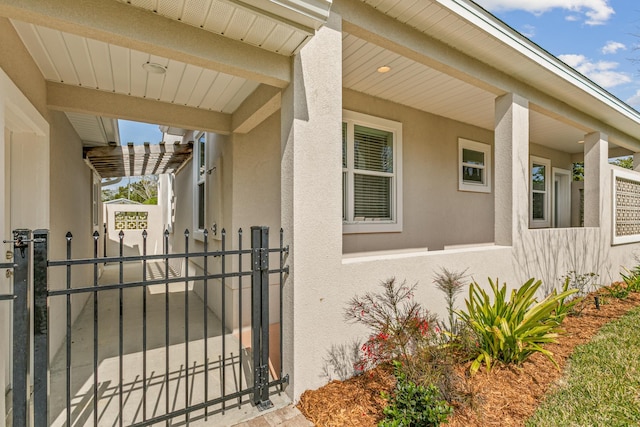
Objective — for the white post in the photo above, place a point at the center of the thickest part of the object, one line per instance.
(596, 154)
(511, 150)
(311, 185)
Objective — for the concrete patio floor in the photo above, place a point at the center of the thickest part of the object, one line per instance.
(186, 376)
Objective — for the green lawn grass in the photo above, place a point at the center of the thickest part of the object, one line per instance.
(601, 386)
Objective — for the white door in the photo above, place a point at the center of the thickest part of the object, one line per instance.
(561, 206)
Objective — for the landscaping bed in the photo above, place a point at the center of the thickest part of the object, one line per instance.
(506, 396)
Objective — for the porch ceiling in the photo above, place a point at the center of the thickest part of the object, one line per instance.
(80, 61)
(200, 47)
(418, 86)
(137, 160)
(463, 27)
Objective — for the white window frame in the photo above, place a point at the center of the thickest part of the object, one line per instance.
(546, 222)
(199, 178)
(350, 224)
(485, 149)
(96, 199)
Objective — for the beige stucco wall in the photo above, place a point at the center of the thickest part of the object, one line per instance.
(55, 182)
(431, 200)
(558, 159)
(243, 191)
(71, 210)
(256, 177)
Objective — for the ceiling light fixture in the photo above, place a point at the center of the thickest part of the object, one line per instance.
(581, 142)
(154, 68)
(384, 69)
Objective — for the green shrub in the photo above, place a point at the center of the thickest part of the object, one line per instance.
(414, 405)
(511, 330)
(618, 290)
(632, 279)
(567, 305)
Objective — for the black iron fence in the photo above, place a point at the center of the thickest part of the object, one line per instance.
(153, 337)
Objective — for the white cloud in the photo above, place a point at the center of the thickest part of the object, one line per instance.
(529, 31)
(602, 72)
(634, 101)
(596, 12)
(613, 47)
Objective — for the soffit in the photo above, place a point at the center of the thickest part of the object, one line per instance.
(473, 31)
(277, 29)
(74, 60)
(95, 130)
(418, 86)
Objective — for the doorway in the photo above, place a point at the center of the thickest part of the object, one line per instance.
(561, 207)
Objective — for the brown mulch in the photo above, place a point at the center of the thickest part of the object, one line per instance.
(507, 396)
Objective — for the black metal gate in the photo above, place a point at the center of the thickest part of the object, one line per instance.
(20, 321)
(153, 345)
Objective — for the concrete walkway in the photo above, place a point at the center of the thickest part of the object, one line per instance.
(288, 416)
(174, 375)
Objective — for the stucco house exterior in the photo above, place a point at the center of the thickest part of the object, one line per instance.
(386, 138)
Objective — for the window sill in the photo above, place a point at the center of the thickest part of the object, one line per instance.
(473, 188)
(371, 227)
(198, 235)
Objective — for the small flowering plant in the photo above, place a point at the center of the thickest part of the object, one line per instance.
(399, 326)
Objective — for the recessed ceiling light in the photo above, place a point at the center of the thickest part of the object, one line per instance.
(384, 69)
(153, 68)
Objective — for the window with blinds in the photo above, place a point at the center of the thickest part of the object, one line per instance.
(370, 179)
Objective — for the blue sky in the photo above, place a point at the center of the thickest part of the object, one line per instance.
(599, 38)
(138, 133)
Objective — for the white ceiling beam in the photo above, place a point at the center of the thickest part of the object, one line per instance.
(117, 23)
(261, 104)
(371, 25)
(77, 99)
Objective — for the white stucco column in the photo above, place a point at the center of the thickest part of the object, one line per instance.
(596, 154)
(511, 150)
(5, 286)
(636, 162)
(311, 184)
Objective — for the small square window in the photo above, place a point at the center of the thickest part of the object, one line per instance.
(474, 166)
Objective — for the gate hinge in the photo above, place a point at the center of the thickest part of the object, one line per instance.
(260, 259)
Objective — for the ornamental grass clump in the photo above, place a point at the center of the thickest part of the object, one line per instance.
(632, 279)
(510, 330)
(451, 283)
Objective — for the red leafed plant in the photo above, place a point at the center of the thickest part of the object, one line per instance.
(399, 326)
